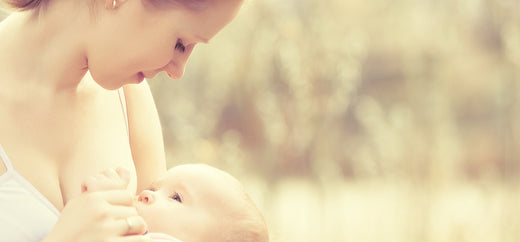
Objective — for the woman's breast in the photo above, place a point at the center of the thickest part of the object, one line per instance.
(93, 160)
(56, 147)
(101, 143)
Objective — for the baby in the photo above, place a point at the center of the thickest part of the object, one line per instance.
(193, 202)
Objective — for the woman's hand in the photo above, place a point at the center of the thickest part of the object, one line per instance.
(103, 212)
(99, 216)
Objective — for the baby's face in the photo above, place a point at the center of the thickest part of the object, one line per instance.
(189, 202)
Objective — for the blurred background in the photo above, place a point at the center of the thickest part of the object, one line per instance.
(353, 120)
(365, 121)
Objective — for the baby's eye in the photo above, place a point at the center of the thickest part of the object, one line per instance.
(177, 198)
(180, 46)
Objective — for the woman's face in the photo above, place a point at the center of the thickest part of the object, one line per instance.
(137, 40)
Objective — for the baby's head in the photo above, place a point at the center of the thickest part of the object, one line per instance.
(197, 202)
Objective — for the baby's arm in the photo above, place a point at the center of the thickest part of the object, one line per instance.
(110, 179)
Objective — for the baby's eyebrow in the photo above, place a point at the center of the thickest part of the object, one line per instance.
(184, 190)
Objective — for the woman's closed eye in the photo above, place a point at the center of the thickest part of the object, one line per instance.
(180, 46)
(176, 197)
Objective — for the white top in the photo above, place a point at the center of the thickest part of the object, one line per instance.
(25, 214)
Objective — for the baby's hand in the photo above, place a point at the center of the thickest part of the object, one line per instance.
(109, 179)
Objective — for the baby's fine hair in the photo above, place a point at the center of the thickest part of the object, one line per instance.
(246, 225)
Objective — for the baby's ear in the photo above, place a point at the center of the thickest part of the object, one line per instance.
(124, 174)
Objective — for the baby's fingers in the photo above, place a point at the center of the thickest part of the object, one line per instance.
(100, 182)
(109, 179)
(124, 174)
(110, 173)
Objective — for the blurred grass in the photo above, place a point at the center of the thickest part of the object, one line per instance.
(361, 121)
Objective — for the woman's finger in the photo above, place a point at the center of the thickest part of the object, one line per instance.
(133, 225)
(110, 173)
(121, 212)
(116, 197)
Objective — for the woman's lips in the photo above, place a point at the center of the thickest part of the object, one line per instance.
(150, 74)
(140, 77)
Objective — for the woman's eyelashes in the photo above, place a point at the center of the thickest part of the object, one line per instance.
(180, 46)
(176, 197)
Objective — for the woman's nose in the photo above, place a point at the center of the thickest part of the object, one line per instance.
(175, 68)
(147, 197)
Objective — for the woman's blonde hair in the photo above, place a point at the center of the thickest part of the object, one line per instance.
(22, 5)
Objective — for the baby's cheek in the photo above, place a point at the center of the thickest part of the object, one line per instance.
(154, 219)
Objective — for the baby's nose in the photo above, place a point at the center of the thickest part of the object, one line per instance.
(146, 197)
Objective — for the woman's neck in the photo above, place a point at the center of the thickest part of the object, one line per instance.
(42, 52)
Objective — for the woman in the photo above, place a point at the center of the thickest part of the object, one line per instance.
(66, 111)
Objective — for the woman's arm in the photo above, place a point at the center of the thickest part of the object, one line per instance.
(146, 140)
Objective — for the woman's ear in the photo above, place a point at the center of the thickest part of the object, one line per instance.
(113, 4)
(110, 4)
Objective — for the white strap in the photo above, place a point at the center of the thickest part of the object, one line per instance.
(5, 159)
(123, 106)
